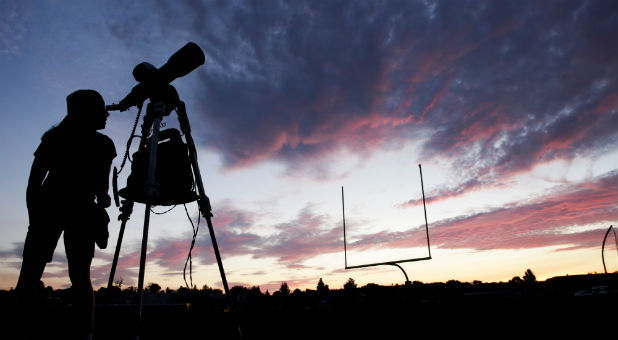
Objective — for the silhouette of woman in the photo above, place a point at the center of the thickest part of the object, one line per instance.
(70, 171)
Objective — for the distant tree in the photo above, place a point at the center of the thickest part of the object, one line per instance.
(284, 289)
(322, 288)
(349, 285)
(118, 283)
(516, 280)
(239, 292)
(529, 277)
(255, 298)
(182, 290)
(206, 290)
(255, 292)
(477, 283)
(370, 289)
(239, 289)
(153, 288)
(47, 289)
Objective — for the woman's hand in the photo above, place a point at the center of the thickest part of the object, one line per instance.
(104, 200)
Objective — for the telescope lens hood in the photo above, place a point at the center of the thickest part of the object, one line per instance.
(185, 60)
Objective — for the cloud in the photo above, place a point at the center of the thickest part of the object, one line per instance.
(444, 193)
(549, 220)
(499, 86)
(232, 217)
(14, 252)
(295, 83)
(542, 222)
(12, 30)
(307, 235)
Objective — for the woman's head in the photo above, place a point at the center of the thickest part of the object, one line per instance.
(86, 109)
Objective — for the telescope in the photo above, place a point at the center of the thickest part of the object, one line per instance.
(154, 82)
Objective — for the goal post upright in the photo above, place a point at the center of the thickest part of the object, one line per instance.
(392, 263)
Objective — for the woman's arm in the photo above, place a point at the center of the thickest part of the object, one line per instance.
(103, 198)
(34, 199)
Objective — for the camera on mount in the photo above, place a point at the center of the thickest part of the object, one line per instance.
(154, 82)
(173, 175)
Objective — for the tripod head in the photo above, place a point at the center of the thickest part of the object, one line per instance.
(154, 82)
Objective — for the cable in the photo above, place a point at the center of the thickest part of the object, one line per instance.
(126, 153)
(161, 213)
(189, 260)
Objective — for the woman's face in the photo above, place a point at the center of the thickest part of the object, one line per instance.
(97, 117)
(100, 119)
(87, 109)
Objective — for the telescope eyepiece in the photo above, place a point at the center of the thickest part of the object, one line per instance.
(145, 73)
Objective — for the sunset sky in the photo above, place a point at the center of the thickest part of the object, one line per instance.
(511, 107)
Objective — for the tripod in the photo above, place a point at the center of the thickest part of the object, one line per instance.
(156, 110)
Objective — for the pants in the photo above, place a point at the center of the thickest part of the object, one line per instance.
(41, 242)
(39, 248)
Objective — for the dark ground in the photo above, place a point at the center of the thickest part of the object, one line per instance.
(563, 306)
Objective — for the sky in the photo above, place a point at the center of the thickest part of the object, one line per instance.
(511, 107)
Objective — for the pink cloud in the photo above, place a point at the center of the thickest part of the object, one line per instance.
(539, 223)
(302, 238)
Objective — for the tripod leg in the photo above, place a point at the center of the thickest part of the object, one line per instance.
(204, 204)
(126, 209)
(142, 267)
(151, 192)
(112, 272)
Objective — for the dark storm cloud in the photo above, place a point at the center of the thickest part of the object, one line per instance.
(534, 91)
(293, 82)
(501, 86)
